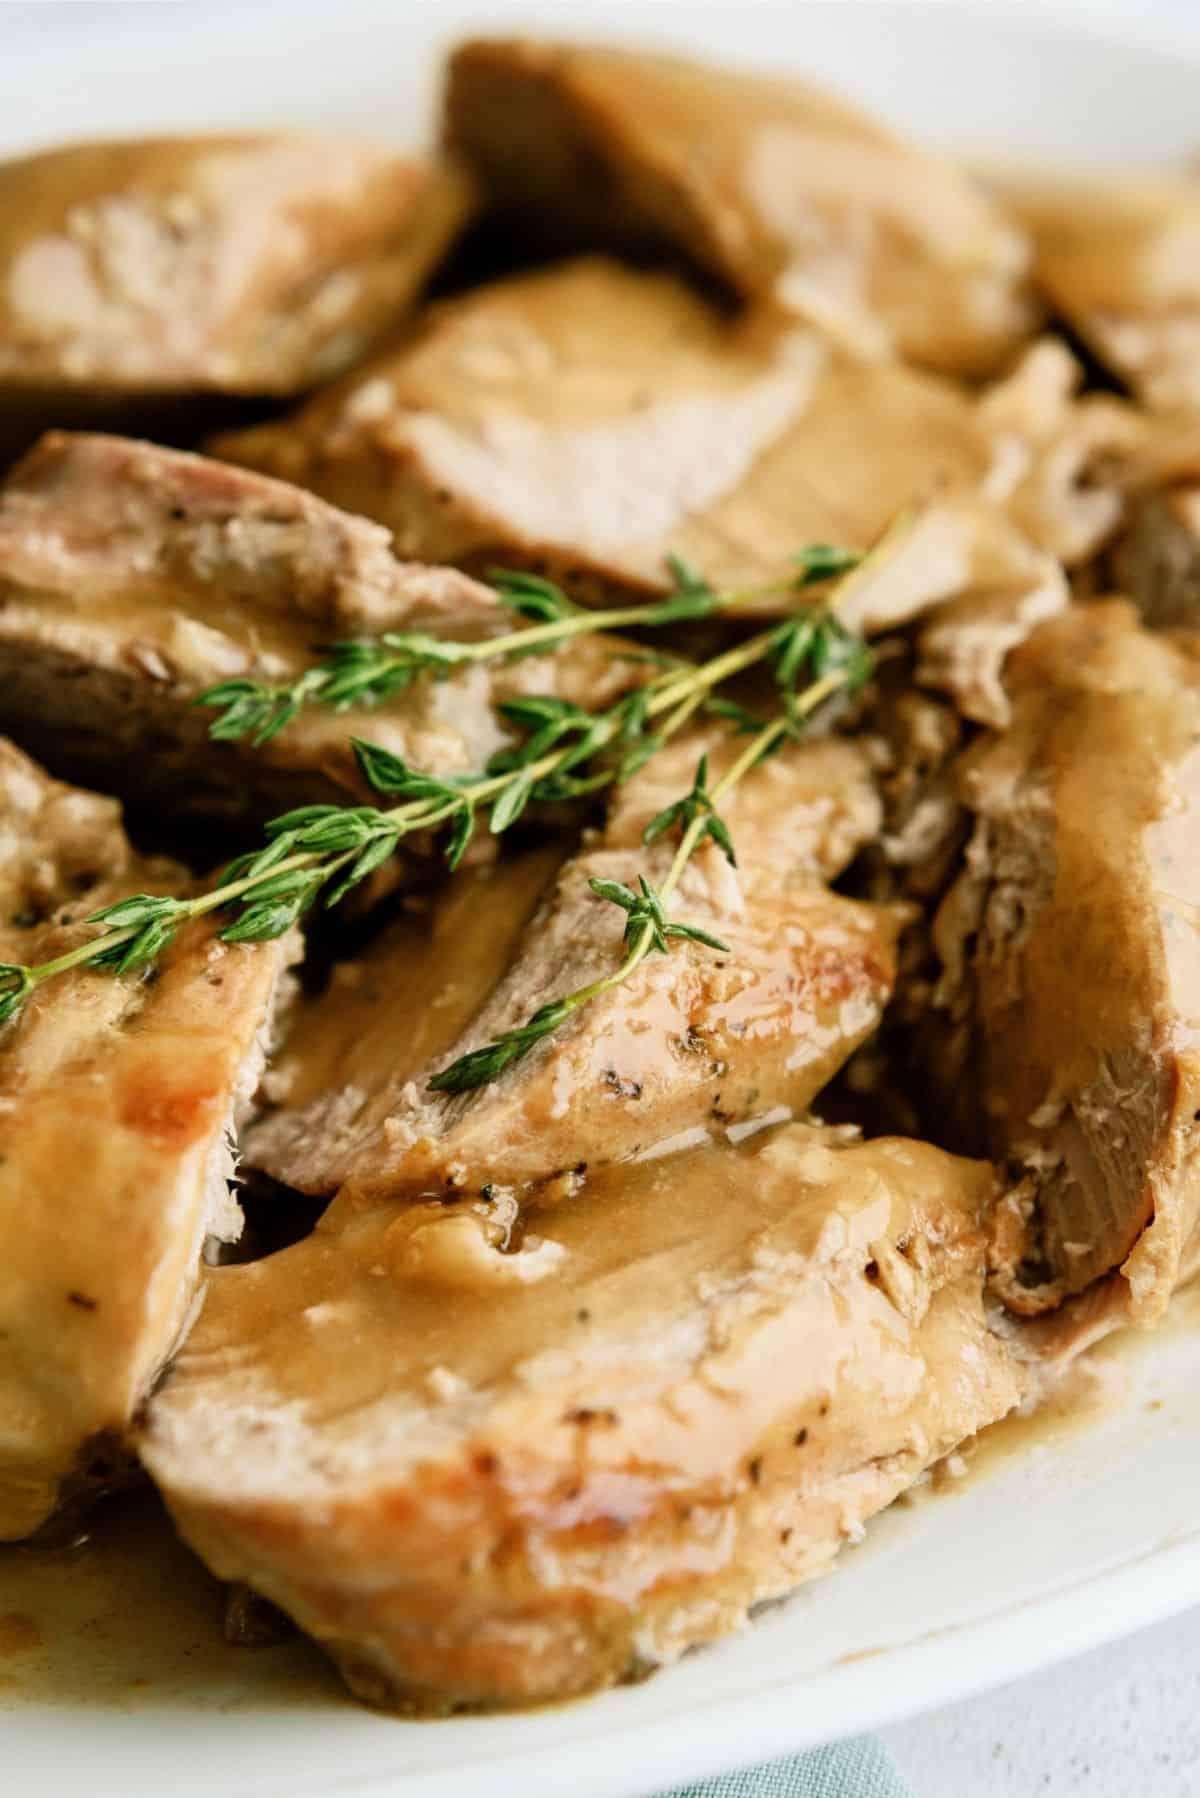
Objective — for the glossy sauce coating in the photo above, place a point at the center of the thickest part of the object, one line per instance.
(514, 1487)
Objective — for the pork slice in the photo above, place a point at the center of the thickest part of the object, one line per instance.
(1071, 962)
(1117, 258)
(590, 420)
(119, 1104)
(133, 578)
(693, 1036)
(545, 1470)
(781, 190)
(254, 264)
(360, 1051)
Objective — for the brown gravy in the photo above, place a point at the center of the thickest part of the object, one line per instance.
(129, 1618)
(1089, 1390)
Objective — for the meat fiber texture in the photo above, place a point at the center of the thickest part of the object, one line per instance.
(120, 1101)
(1071, 964)
(590, 421)
(134, 274)
(780, 190)
(690, 1040)
(547, 1469)
(133, 578)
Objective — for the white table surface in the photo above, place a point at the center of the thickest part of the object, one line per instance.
(1123, 1722)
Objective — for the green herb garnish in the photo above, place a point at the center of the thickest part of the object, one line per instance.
(560, 752)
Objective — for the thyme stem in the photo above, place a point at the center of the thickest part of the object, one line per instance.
(648, 929)
(365, 672)
(620, 618)
(309, 848)
(683, 690)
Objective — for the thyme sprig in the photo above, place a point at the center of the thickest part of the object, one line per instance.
(698, 803)
(367, 672)
(562, 751)
(648, 929)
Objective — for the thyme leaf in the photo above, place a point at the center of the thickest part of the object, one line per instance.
(16, 984)
(836, 661)
(365, 672)
(561, 751)
(482, 1066)
(697, 804)
(532, 596)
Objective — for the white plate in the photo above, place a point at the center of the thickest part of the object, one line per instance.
(1054, 1551)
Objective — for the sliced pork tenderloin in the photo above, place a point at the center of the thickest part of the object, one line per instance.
(693, 1036)
(136, 272)
(120, 1101)
(543, 1468)
(133, 578)
(668, 431)
(783, 191)
(1069, 950)
(593, 419)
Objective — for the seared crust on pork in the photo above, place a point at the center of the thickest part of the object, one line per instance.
(1070, 950)
(119, 1103)
(480, 1477)
(781, 190)
(691, 1039)
(133, 578)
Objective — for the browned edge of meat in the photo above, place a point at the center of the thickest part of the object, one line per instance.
(778, 188)
(695, 1040)
(254, 264)
(1071, 961)
(545, 1470)
(132, 578)
(122, 1097)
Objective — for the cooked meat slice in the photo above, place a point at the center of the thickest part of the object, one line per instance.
(539, 1471)
(251, 264)
(133, 578)
(781, 190)
(590, 421)
(1071, 960)
(354, 1052)
(691, 1036)
(119, 1098)
(579, 415)
(1117, 257)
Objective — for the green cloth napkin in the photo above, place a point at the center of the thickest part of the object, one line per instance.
(861, 1768)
